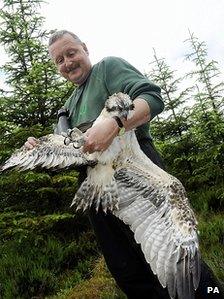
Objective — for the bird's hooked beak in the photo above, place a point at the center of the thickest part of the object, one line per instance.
(127, 111)
(124, 114)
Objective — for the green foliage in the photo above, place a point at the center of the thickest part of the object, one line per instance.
(34, 266)
(210, 88)
(209, 198)
(38, 251)
(22, 225)
(99, 285)
(191, 138)
(211, 228)
(40, 193)
(174, 121)
(36, 91)
(13, 136)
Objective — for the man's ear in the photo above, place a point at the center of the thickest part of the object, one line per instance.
(85, 48)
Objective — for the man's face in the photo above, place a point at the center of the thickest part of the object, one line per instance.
(71, 58)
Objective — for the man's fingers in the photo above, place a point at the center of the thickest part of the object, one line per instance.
(87, 147)
(32, 140)
(30, 143)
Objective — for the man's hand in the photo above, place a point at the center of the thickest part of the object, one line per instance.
(30, 143)
(100, 136)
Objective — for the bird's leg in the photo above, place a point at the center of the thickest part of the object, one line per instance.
(74, 136)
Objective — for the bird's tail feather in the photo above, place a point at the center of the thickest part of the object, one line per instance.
(90, 194)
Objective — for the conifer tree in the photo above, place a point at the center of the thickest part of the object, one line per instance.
(206, 73)
(36, 91)
(34, 206)
(171, 129)
(207, 124)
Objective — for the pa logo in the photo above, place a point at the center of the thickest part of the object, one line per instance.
(212, 290)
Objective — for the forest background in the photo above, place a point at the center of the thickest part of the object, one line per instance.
(47, 250)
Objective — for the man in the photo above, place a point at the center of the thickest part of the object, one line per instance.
(96, 83)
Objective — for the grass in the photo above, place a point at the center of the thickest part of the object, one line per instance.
(211, 235)
(99, 286)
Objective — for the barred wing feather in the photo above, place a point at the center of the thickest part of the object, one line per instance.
(158, 213)
(50, 152)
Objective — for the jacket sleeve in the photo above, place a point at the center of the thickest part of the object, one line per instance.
(119, 75)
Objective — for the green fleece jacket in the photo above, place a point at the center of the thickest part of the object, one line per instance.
(112, 75)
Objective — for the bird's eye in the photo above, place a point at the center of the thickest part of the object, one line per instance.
(110, 109)
(132, 107)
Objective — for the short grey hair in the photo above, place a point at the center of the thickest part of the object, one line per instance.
(58, 34)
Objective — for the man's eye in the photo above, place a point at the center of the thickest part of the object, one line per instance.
(72, 53)
(59, 61)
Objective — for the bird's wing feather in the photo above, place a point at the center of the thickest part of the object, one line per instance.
(50, 152)
(157, 211)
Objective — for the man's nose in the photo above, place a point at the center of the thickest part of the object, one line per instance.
(68, 62)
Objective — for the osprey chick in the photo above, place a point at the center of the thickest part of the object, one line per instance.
(125, 181)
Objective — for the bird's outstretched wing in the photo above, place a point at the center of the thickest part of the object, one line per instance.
(50, 153)
(157, 211)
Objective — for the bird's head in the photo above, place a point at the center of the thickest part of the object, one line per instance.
(120, 104)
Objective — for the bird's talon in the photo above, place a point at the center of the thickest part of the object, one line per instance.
(76, 146)
(67, 141)
(69, 132)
